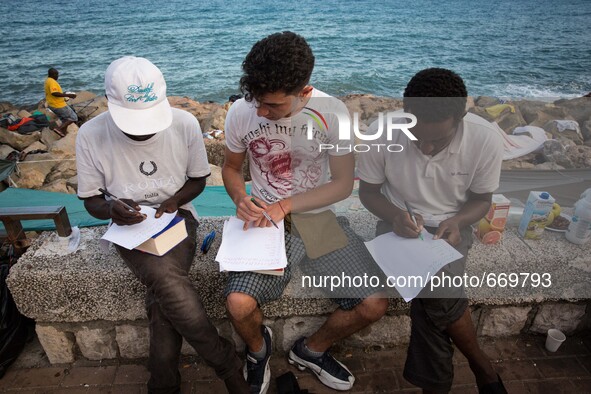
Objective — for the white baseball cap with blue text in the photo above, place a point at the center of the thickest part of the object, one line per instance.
(136, 94)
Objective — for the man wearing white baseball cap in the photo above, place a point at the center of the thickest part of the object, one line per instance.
(147, 153)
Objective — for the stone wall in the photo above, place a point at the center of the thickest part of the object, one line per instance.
(89, 305)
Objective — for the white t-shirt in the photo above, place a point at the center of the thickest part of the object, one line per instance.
(283, 162)
(148, 172)
(436, 187)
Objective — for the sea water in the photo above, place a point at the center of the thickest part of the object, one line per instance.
(507, 48)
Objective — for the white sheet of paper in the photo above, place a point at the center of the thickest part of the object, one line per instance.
(131, 236)
(254, 249)
(408, 257)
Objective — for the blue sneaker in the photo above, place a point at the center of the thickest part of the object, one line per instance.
(257, 372)
(331, 372)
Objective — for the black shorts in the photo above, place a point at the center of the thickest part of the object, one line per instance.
(430, 351)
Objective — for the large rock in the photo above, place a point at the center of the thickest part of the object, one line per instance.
(578, 109)
(573, 133)
(16, 140)
(200, 110)
(37, 145)
(530, 109)
(97, 343)
(65, 148)
(215, 120)
(58, 186)
(48, 137)
(215, 179)
(507, 120)
(368, 106)
(5, 107)
(579, 155)
(72, 183)
(564, 317)
(58, 344)
(486, 101)
(5, 150)
(33, 171)
(555, 152)
(63, 170)
(504, 321)
(133, 341)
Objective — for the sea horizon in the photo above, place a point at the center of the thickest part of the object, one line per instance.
(510, 48)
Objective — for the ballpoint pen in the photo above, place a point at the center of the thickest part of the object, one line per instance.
(412, 216)
(129, 208)
(265, 214)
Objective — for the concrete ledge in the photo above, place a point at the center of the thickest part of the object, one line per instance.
(89, 304)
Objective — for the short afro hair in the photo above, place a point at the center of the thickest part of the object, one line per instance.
(436, 94)
(281, 62)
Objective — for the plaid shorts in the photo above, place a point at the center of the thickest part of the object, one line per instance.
(352, 260)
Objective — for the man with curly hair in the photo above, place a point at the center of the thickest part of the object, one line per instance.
(290, 180)
(447, 176)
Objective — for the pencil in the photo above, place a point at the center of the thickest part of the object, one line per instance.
(129, 208)
(265, 214)
(412, 216)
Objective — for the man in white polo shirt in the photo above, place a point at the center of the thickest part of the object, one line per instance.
(447, 176)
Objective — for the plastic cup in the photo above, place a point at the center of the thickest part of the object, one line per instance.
(554, 339)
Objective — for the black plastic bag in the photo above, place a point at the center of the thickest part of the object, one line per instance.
(13, 325)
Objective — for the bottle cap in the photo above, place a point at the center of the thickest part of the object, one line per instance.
(544, 196)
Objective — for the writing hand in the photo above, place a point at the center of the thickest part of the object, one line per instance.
(403, 226)
(123, 216)
(248, 212)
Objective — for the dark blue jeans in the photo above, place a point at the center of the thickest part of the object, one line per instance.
(175, 311)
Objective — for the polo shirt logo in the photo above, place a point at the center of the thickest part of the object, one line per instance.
(459, 173)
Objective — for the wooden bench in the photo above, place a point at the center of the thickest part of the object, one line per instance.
(11, 218)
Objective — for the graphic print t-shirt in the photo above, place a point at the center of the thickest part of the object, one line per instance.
(148, 172)
(283, 161)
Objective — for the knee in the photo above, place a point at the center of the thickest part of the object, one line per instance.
(240, 305)
(372, 309)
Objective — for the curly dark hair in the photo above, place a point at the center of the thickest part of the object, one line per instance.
(281, 62)
(435, 94)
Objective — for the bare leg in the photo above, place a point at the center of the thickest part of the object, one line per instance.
(463, 335)
(247, 319)
(64, 127)
(341, 324)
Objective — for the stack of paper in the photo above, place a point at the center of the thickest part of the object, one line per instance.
(132, 236)
(256, 249)
(410, 258)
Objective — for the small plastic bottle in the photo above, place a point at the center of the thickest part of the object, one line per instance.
(579, 230)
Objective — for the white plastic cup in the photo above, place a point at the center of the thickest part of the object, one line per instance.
(554, 339)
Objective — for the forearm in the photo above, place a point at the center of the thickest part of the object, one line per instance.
(190, 190)
(472, 211)
(57, 94)
(234, 183)
(319, 197)
(379, 205)
(98, 207)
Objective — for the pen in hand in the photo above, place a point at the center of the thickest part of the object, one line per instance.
(265, 214)
(412, 216)
(129, 208)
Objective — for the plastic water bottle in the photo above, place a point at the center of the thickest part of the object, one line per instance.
(579, 230)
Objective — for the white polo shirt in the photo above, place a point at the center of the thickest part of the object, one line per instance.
(436, 187)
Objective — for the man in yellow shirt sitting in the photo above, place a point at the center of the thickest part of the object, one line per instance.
(56, 102)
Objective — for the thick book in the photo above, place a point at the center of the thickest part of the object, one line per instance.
(162, 242)
(276, 272)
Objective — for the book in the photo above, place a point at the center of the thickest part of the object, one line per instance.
(276, 272)
(168, 238)
(259, 249)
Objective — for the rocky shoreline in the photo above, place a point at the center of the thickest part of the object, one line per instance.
(47, 162)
